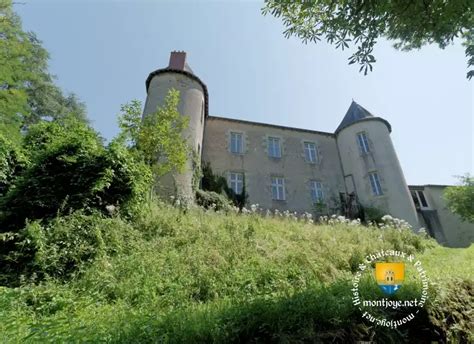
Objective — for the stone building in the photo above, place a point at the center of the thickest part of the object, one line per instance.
(298, 169)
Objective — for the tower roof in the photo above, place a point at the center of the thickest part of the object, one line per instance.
(353, 114)
(357, 113)
(179, 65)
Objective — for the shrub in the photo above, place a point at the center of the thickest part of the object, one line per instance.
(65, 245)
(460, 198)
(213, 200)
(70, 170)
(218, 184)
(371, 214)
(12, 162)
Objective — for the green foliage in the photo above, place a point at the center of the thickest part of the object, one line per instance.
(69, 244)
(70, 170)
(211, 181)
(371, 214)
(66, 163)
(12, 162)
(213, 200)
(197, 170)
(460, 198)
(158, 137)
(168, 276)
(15, 51)
(218, 184)
(410, 24)
(27, 91)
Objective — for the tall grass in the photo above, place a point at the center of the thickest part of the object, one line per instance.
(172, 275)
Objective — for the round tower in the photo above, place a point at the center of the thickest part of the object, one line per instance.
(193, 104)
(370, 164)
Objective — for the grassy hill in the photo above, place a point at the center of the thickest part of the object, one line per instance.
(191, 276)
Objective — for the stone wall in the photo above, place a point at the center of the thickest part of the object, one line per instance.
(259, 168)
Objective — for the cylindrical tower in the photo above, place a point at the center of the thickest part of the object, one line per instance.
(194, 104)
(370, 164)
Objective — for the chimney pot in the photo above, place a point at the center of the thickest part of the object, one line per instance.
(177, 60)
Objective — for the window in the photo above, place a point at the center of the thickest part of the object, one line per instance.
(419, 199)
(375, 184)
(363, 142)
(274, 149)
(317, 194)
(278, 188)
(236, 143)
(310, 153)
(202, 112)
(421, 196)
(236, 182)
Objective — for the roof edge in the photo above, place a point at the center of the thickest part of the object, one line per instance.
(430, 185)
(380, 119)
(271, 125)
(183, 72)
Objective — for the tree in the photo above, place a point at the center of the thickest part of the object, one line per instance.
(12, 162)
(70, 169)
(460, 198)
(27, 91)
(158, 137)
(411, 24)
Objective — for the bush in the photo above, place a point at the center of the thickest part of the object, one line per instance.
(460, 199)
(12, 162)
(65, 245)
(70, 170)
(218, 184)
(371, 214)
(213, 200)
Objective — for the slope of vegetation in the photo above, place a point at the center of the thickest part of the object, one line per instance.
(174, 275)
(87, 255)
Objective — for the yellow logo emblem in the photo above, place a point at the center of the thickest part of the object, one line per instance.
(390, 276)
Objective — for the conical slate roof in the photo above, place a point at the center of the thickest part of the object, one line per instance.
(354, 113)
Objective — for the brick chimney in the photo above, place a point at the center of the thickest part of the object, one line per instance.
(177, 60)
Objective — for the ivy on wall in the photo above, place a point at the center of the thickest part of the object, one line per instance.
(218, 184)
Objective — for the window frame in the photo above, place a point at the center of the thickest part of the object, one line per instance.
(271, 143)
(317, 192)
(234, 179)
(363, 142)
(202, 111)
(305, 149)
(375, 184)
(278, 184)
(422, 201)
(240, 147)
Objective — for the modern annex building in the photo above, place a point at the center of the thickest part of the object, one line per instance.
(295, 169)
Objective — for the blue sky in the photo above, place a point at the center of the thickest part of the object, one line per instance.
(103, 50)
